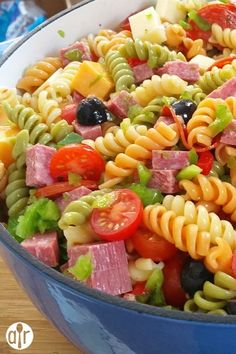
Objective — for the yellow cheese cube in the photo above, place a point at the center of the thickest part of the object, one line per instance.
(93, 79)
(7, 139)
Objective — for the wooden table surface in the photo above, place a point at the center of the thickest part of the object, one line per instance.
(15, 306)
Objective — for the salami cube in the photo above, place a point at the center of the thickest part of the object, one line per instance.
(142, 72)
(226, 90)
(110, 266)
(82, 49)
(77, 97)
(169, 159)
(44, 247)
(186, 71)
(229, 134)
(120, 103)
(38, 158)
(69, 197)
(164, 180)
(88, 131)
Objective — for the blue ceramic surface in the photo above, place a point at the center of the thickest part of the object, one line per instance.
(101, 324)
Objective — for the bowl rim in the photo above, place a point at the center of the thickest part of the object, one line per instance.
(14, 247)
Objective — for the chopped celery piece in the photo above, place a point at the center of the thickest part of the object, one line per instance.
(155, 280)
(189, 172)
(74, 55)
(104, 201)
(200, 22)
(73, 178)
(72, 138)
(223, 118)
(185, 25)
(193, 157)
(83, 267)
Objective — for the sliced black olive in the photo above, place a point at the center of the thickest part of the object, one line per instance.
(92, 111)
(185, 109)
(231, 307)
(194, 275)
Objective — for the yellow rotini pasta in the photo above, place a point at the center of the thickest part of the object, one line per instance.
(167, 85)
(219, 258)
(8, 95)
(3, 179)
(48, 108)
(193, 47)
(117, 141)
(174, 35)
(225, 37)
(158, 138)
(211, 189)
(198, 126)
(37, 74)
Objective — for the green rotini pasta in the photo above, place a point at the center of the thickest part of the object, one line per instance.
(60, 130)
(120, 70)
(77, 212)
(155, 54)
(17, 193)
(214, 296)
(194, 93)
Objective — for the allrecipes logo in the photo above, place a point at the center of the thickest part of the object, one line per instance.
(19, 336)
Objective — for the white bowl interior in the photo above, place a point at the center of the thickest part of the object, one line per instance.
(77, 23)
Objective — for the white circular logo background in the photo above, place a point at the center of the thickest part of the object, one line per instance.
(19, 336)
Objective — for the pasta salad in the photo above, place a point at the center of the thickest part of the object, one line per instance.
(118, 158)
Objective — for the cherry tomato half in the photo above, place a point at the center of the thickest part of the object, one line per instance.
(121, 219)
(79, 159)
(150, 245)
(68, 112)
(205, 162)
(139, 288)
(173, 291)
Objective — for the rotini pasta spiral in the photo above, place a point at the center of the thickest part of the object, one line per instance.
(8, 95)
(198, 126)
(29, 100)
(194, 93)
(26, 118)
(48, 108)
(192, 230)
(60, 130)
(220, 257)
(77, 212)
(63, 82)
(3, 178)
(167, 85)
(37, 74)
(193, 47)
(17, 194)
(155, 54)
(158, 138)
(149, 114)
(211, 189)
(141, 269)
(225, 37)
(120, 70)
(214, 296)
(117, 141)
(107, 40)
(211, 80)
(174, 35)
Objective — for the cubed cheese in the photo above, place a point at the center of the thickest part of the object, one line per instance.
(146, 25)
(203, 62)
(93, 79)
(169, 11)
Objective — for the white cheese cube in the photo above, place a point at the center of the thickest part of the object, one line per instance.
(146, 25)
(203, 62)
(169, 11)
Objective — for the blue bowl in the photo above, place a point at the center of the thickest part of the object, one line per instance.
(95, 322)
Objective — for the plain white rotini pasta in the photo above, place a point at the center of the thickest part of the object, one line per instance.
(48, 108)
(225, 37)
(63, 82)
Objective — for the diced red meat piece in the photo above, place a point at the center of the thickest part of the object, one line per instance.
(77, 97)
(226, 90)
(229, 134)
(83, 48)
(38, 159)
(142, 72)
(169, 159)
(44, 247)
(120, 103)
(164, 181)
(88, 131)
(69, 197)
(110, 266)
(186, 71)
(168, 120)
